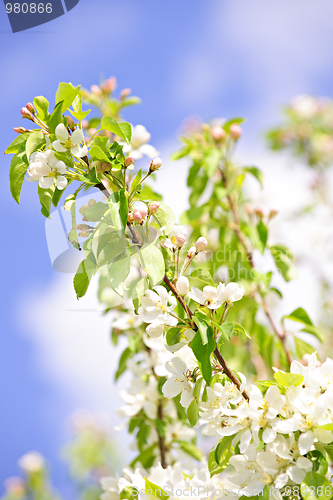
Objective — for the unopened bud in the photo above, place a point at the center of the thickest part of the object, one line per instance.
(201, 244)
(111, 84)
(259, 211)
(82, 227)
(180, 240)
(82, 209)
(95, 89)
(124, 93)
(183, 285)
(137, 216)
(218, 133)
(205, 127)
(192, 251)
(248, 208)
(128, 161)
(30, 107)
(130, 218)
(83, 234)
(273, 213)
(70, 122)
(155, 164)
(84, 123)
(91, 202)
(26, 114)
(92, 131)
(235, 131)
(20, 130)
(154, 207)
(143, 211)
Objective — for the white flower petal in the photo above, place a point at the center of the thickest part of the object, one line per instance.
(46, 182)
(61, 133)
(61, 182)
(77, 137)
(58, 147)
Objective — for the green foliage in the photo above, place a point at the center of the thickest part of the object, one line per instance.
(203, 350)
(18, 168)
(153, 263)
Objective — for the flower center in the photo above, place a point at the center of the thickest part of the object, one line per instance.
(68, 144)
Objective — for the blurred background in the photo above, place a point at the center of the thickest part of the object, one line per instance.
(212, 58)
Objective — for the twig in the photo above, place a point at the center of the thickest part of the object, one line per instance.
(226, 368)
(280, 334)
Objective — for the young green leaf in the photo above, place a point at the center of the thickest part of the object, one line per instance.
(152, 261)
(18, 168)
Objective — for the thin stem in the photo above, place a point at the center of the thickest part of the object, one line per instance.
(226, 369)
(280, 334)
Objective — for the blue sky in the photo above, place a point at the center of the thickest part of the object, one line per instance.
(207, 57)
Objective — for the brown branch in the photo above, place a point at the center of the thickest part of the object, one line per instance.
(280, 334)
(226, 368)
(161, 443)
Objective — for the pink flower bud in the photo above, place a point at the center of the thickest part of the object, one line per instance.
(259, 211)
(128, 161)
(20, 130)
(124, 93)
(110, 84)
(200, 244)
(155, 164)
(84, 123)
(26, 114)
(137, 216)
(30, 107)
(218, 133)
(183, 285)
(248, 208)
(273, 213)
(92, 131)
(235, 131)
(180, 240)
(191, 253)
(130, 218)
(154, 207)
(143, 211)
(95, 89)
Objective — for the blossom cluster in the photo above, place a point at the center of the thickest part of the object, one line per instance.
(288, 420)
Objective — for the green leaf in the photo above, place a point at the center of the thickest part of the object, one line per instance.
(95, 212)
(42, 107)
(202, 327)
(136, 180)
(303, 347)
(45, 198)
(326, 427)
(153, 263)
(223, 450)
(193, 412)
(18, 144)
(118, 271)
(227, 125)
(316, 487)
(146, 457)
(180, 154)
(173, 336)
(219, 457)
(126, 354)
(138, 291)
(83, 276)
(326, 450)
(300, 315)
(314, 331)
(127, 130)
(288, 379)
(70, 205)
(165, 217)
(119, 209)
(263, 235)
(35, 141)
(98, 154)
(18, 168)
(204, 276)
(119, 129)
(128, 493)
(283, 258)
(152, 490)
(203, 351)
(255, 172)
(227, 329)
(191, 450)
(56, 117)
(240, 329)
(66, 93)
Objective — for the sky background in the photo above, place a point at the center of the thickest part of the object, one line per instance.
(212, 58)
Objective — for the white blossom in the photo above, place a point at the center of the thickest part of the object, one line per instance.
(138, 146)
(171, 242)
(155, 309)
(210, 296)
(178, 382)
(47, 169)
(66, 142)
